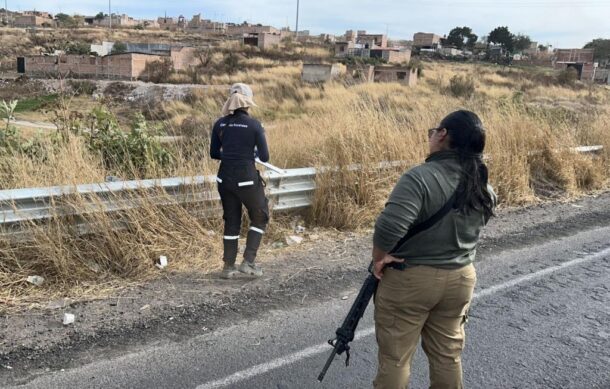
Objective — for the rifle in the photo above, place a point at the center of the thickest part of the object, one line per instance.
(345, 333)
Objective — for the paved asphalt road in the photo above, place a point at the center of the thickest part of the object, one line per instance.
(540, 319)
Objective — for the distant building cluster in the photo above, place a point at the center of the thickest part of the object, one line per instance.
(355, 47)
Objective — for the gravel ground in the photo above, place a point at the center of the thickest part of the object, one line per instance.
(175, 307)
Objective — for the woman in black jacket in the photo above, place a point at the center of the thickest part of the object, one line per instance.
(237, 139)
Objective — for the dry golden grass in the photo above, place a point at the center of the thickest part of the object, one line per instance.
(530, 130)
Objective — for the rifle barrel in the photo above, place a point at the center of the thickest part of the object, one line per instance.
(327, 365)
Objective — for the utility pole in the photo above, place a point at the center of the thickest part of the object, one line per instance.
(109, 15)
(6, 12)
(297, 26)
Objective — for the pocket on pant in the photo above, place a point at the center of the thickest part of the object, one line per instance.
(468, 277)
(247, 178)
(261, 180)
(385, 322)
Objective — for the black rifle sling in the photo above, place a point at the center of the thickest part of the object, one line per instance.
(414, 230)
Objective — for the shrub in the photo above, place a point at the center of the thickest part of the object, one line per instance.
(462, 86)
(417, 64)
(193, 126)
(131, 154)
(11, 141)
(119, 48)
(82, 48)
(118, 90)
(567, 77)
(159, 71)
(363, 61)
(231, 63)
(82, 87)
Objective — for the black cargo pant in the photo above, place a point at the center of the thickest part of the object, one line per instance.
(240, 183)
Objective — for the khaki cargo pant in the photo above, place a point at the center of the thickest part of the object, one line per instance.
(424, 301)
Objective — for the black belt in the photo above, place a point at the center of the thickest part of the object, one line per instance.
(397, 265)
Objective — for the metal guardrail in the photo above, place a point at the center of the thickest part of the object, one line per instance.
(288, 189)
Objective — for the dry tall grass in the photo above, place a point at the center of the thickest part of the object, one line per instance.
(530, 130)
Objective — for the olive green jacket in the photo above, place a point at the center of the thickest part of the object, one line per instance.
(418, 195)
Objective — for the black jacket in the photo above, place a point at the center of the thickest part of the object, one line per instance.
(234, 138)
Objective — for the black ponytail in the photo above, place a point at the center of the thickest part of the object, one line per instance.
(467, 138)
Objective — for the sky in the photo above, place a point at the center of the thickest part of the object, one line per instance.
(561, 23)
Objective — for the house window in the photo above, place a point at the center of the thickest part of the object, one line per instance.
(402, 75)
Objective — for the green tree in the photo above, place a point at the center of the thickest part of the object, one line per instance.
(461, 37)
(601, 47)
(503, 37)
(543, 48)
(99, 16)
(471, 42)
(521, 42)
(65, 20)
(119, 48)
(81, 48)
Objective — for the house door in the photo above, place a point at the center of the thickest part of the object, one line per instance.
(20, 65)
(578, 68)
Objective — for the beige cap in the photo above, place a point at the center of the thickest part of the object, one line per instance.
(240, 97)
(242, 89)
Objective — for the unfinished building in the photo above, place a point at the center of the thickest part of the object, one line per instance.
(206, 26)
(319, 73)
(239, 30)
(128, 66)
(264, 41)
(361, 73)
(124, 66)
(425, 40)
(350, 36)
(344, 48)
(372, 41)
(581, 60)
(391, 55)
(402, 75)
(369, 73)
(34, 19)
(171, 24)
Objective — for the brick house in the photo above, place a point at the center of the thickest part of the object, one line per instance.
(581, 60)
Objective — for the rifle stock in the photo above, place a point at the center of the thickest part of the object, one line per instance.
(345, 333)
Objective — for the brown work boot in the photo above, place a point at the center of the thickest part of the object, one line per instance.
(228, 271)
(250, 269)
